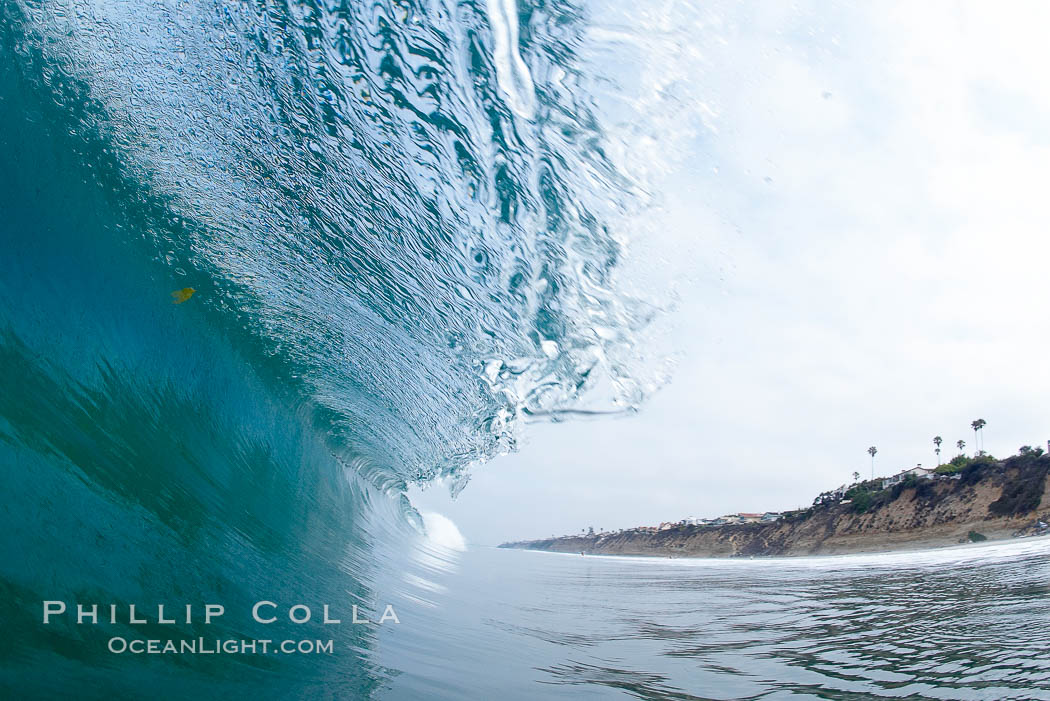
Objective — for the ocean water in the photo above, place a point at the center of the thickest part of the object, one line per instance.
(961, 623)
(263, 265)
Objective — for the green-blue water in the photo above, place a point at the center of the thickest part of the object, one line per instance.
(401, 227)
(395, 259)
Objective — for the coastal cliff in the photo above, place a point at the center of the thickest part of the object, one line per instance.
(971, 499)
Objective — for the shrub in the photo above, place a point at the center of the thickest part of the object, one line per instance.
(862, 501)
(825, 498)
(954, 465)
(975, 537)
(868, 487)
(1019, 497)
(972, 471)
(924, 488)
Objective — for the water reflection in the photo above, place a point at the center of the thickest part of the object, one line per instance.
(959, 624)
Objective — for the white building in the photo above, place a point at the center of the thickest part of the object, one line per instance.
(918, 471)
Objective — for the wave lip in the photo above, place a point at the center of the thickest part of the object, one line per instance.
(373, 207)
(385, 255)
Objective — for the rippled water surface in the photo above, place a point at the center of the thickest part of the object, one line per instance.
(402, 225)
(966, 623)
(406, 225)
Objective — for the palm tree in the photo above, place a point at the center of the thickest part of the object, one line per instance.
(977, 426)
(856, 477)
(960, 444)
(937, 440)
(871, 451)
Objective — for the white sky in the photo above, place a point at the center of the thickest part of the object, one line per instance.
(852, 202)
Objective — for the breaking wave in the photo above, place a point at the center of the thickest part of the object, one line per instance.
(393, 232)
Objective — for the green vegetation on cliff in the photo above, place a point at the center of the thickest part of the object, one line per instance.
(965, 500)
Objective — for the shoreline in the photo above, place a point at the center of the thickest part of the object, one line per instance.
(983, 500)
(958, 548)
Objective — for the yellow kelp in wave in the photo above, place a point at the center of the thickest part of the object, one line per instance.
(180, 296)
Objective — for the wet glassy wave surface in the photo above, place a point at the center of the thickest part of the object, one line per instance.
(962, 623)
(385, 202)
(262, 265)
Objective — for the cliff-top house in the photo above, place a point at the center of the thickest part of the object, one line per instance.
(918, 471)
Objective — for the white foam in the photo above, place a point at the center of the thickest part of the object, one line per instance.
(442, 532)
(513, 76)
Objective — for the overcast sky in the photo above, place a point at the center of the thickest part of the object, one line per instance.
(851, 202)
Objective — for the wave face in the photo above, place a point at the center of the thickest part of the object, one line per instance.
(402, 236)
(383, 201)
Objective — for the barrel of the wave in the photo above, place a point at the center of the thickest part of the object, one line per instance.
(157, 486)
